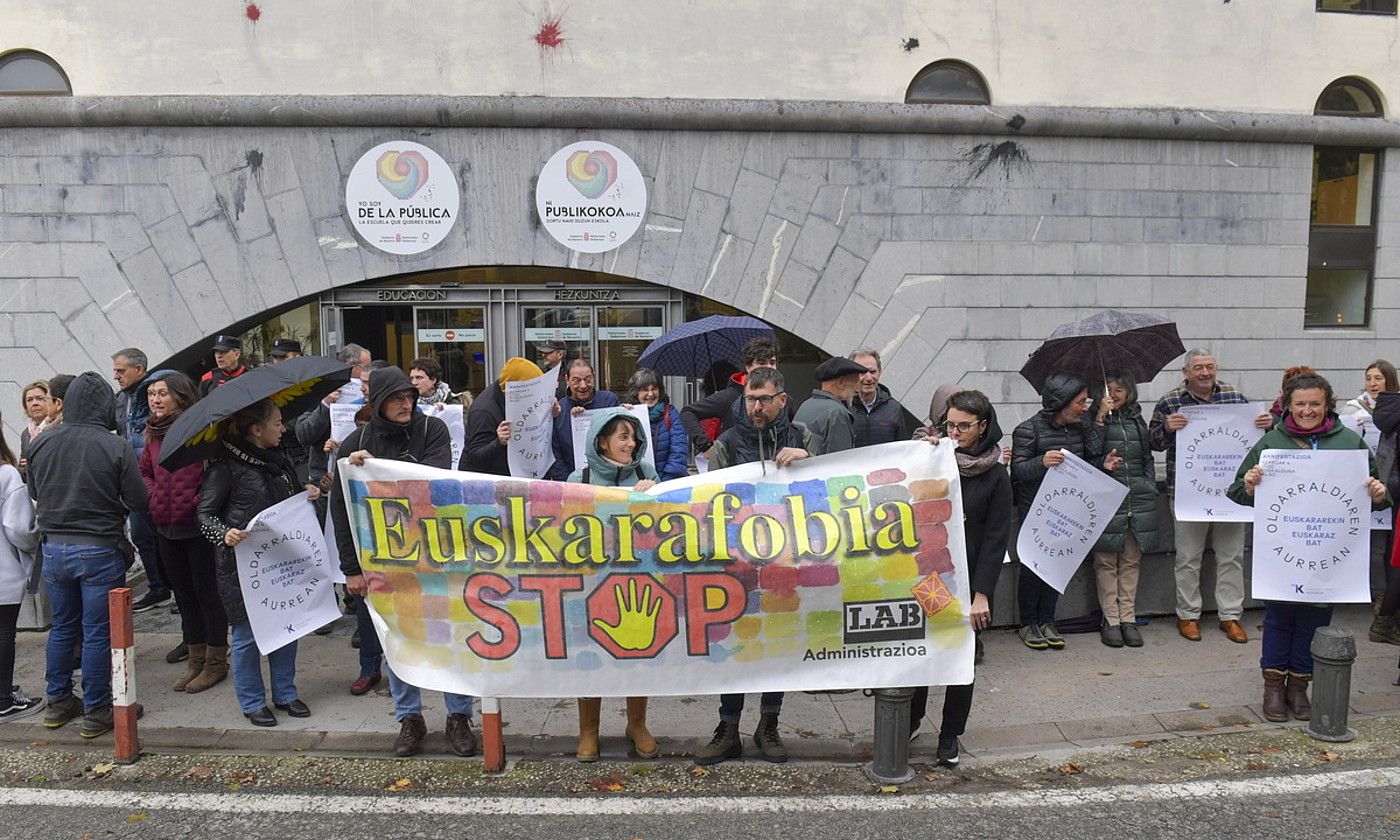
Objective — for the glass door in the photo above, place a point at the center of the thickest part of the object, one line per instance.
(571, 325)
(623, 333)
(456, 338)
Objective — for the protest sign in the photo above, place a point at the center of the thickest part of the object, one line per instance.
(1071, 509)
(285, 573)
(1363, 425)
(453, 416)
(530, 412)
(846, 571)
(1312, 542)
(1208, 453)
(580, 431)
(343, 420)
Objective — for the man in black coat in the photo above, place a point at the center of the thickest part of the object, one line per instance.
(878, 417)
(399, 433)
(487, 432)
(760, 352)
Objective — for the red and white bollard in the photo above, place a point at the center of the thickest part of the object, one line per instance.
(124, 706)
(493, 744)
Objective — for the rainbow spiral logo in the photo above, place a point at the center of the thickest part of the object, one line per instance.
(591, 173)
(402, 173)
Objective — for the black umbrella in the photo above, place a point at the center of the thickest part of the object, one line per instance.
(1133, 344)
(695, 346)
(296, 385)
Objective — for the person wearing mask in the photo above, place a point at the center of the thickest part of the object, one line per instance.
(228, 364)
(1035, 449)
(583, 396)
(487, 432)
(19, 537)
(613, 439)
(721, 405)
(1310, 422)
(878, 418)
(397, 432)
(669, 447)
(971, 425)
(827, 413)
(251, 475)
(761, 433)
(85, 482)
(1133, 528)
(35, 401)
(186, 556)
(426, 376)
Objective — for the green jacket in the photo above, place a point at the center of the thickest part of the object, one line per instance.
(1340, 437)
(1126, 432)
(829, 420)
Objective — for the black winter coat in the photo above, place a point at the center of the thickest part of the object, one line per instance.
(883, 423)
(237, 487)
(1038, 435)
(987, 515)
(483, 452)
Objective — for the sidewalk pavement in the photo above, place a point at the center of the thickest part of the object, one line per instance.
(1026, 702)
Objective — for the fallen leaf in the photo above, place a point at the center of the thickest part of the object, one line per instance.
(1070, 769)
(640, 769)
(700, 772)
(1392, 817)
(929, 777)
(39, 743)
(104, 767)
(138, 818)
(1105, 673)
(244, 777)
(399, 785)
(889, 788)
(1138, 745)
(1327, 756)
(199, 772)
(327, 780)
(1200, 705)
(85, 836)
(1256, 766)
(1269, 749)
(608, 783)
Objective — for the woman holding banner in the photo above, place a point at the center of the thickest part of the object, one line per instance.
(612, 441)
(1310, 422)
(252, 476)
(971, 424)
(1133, 528)
(670, 447)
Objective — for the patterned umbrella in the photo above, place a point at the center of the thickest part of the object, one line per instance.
(692, 348)
(1129, 343)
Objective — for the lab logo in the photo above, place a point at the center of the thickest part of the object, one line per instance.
(883, 621)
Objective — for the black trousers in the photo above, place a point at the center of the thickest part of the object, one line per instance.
(189, 566)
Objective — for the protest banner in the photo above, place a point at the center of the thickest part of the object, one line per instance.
(1208, 453)
(1363, 425)
(285, 573)
(1312, 542)
(1071, 509)
(530, 412)
(580, 432)
(454, 417)
(846, 571)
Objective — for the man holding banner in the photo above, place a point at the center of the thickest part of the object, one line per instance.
(583, 395)
(1311, 533)
(1200, 388)
(397, 432)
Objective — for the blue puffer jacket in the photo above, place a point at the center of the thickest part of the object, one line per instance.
(669, 446)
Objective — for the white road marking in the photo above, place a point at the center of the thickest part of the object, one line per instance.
(266, 803)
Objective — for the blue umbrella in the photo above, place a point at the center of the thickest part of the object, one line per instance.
(693, 348)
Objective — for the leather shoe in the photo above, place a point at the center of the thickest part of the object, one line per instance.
(1235, 631)
(364, 684)
(296, 708)
(1189, 628)
(262, 717)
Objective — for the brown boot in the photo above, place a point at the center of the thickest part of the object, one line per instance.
(637, 731)
(1296, 694)
(215, 669)
(589, 709)
(412, 731)
(193, 667)
(1275, 707)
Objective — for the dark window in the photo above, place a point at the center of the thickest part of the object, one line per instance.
(26, 71)
(1364, 7)
(1342, 238)
(951, 82)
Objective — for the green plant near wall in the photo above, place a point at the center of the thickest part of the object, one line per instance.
(257, 342)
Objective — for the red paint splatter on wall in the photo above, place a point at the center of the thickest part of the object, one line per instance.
(252, 12)
(551, 34)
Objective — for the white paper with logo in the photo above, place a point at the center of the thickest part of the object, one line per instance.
(580, 431)
(1209, 452)
(1071, 509)
(453, 416)
(284, 571)
(530, 412)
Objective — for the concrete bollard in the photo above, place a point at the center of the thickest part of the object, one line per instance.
(1333, 650)
(890, 765)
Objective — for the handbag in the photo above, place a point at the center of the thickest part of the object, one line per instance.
(35, 613)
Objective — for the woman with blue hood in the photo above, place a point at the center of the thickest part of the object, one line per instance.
(614, 437)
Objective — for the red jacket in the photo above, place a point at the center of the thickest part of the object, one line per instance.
(173, 495)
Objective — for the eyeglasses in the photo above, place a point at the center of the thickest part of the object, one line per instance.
(764, 400)
(962, 427)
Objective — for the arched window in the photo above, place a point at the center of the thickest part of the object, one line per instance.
(950, 82)
(26, 71)
(1342, 236)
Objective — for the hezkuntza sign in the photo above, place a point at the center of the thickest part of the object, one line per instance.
(591, 197)
(402, 198)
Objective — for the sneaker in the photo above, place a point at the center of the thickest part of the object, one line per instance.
(948, 750)
(179, 653)
(766, 738)
(411, 735)
(15, 705)
(724, 745)
(97, 722)
(1132, 637)
(60, 712)
(149, 601)
(1052, 636)
(1031, 637)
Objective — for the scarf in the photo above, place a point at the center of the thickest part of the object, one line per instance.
(971, 464)
(656, 412)
(156, 427)
(1315, 432)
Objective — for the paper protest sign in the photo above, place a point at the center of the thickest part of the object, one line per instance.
(530, 412)
(285, 573)
(1209, 452)
(1071, 509)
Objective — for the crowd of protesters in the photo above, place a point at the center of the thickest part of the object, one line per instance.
(78, 503)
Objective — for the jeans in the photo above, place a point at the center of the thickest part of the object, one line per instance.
(78, 578)
(143, 536)
(1227, 540)
(1035, 598)
(189, 568)
(371, 652)
(732, 705)
(1288, 633)
(247, 670)
(957, 705)
(408, 699)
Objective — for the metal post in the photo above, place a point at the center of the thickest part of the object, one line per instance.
(1333, 650)
(890, 765)
(493, 745)
(125, 709)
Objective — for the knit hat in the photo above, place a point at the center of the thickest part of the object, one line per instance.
(517, 369)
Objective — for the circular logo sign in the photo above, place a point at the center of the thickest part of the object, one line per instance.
(591, 197)
(402, 197)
